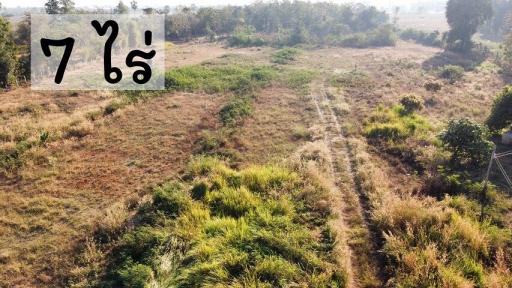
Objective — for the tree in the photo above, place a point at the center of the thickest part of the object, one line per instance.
(52, 7)
(501, 113)
(468, 142)
(22, 36)
(67, 6)
(134, 5)
(121, 8)
(7, 54)
(464, 18)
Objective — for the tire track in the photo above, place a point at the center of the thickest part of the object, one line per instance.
(365, 265)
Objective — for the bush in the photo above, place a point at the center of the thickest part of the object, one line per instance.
(395, 125)
(135, 276)
(411, 103)
(382, 36)
(245, 39)
(235, 111)
(285, 56)
(467, 141)
(433, 86)
(421, 37)
(452, 73)
(501, 112)
(7, 55)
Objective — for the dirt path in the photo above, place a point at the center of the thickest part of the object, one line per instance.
(364, 270)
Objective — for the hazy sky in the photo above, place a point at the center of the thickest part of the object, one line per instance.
(157, 3)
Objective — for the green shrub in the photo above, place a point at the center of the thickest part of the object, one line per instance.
(245, 39)
(140, 245)
(411, 103)
(433, 86)
(171, 200)
(467, 141)
(285, 56)
(501, 112)
(452, 73)
(387, 131)
(421, 37)
(395, 125)
(382, 36)
(235, 111)
(136, 276)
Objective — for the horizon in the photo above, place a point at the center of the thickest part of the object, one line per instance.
(14, 4)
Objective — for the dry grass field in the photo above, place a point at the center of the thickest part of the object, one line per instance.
(96, 157)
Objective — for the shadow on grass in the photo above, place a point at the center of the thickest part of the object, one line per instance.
(467, 60)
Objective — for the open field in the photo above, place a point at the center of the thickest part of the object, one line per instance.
(103, 150)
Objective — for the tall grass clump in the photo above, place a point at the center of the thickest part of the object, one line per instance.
(228, 228)
(430, 244)
(395, 124)
(401, 132)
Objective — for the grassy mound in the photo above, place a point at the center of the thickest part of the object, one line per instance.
(259, 227)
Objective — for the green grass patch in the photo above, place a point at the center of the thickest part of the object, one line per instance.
(395, 125)
(285, 55)
(226, 228)
(219, 79)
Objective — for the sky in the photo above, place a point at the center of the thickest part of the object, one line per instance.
(160, 3)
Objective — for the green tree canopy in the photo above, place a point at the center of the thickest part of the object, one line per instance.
(501, 113)
(468, 141)
(52, 7)
(464, 18)
(7, 54)
(121, 8)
